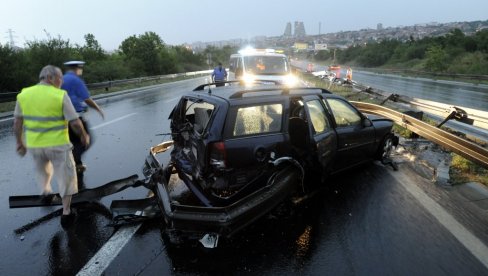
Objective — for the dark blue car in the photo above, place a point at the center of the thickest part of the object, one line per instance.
(240, 151)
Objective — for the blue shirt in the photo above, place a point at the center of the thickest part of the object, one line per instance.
(219, 73)
(77, 90)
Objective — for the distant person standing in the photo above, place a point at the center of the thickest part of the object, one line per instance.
(43, 112)
(80, 97)
(349, 74)
(219, 75)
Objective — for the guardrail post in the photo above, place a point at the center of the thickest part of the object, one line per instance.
(393, 97)
(417, 115)
(459, 115)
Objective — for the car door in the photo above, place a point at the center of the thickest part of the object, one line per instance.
(323, 137)
(355, 133)
(253, 133)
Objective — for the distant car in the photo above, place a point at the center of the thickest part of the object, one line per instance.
(241, 151)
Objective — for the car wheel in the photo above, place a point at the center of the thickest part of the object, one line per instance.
(385, 148)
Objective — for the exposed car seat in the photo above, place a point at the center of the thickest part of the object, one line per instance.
(201, 118)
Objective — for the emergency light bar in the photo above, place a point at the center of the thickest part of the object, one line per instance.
(250, 50)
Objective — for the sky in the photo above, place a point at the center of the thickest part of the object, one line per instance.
(187, 21)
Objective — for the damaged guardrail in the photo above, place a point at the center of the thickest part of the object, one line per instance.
(470, 116)
(452, 142)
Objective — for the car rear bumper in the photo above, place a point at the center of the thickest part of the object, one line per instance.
(185, 221)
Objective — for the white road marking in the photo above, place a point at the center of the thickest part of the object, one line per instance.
(463, 235)
(113, 121)
(108, 252)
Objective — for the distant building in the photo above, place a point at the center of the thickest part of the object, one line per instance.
(295, 32)
(480, 28)
(299, 29)
(320, 46)
(299, 46)
(287, 32)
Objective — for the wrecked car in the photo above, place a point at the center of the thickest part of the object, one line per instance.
(239, 151)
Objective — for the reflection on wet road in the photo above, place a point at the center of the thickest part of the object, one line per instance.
(364, 223)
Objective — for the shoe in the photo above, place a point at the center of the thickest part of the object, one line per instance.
(68, 220)
(80, 168)
(47, 199)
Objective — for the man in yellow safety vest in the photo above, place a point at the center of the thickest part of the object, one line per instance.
(43, 112)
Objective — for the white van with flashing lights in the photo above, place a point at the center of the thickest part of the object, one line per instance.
(264, 65)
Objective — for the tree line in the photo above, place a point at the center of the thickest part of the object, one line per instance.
(148, 55)
(137, 56)
(454, 52)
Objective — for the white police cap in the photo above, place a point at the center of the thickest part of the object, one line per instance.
(74, 63)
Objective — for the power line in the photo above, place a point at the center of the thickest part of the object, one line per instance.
(11, 36)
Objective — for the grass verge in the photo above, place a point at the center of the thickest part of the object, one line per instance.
(463, 170)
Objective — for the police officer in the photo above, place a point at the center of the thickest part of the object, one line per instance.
(219, 75)
(44, 112)
(80, 97)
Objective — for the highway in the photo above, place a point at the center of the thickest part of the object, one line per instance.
(369, 221)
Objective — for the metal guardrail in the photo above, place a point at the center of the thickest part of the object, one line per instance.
(452, 142)
(479, 118)
(108, 84)
(11, 96)
(8, 96)
(426, 73)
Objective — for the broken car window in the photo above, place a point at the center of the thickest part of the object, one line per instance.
(198, 113)
(258, 119)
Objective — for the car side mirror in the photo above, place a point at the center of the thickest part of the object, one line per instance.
(367, 122)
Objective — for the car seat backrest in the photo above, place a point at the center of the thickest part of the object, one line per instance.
(201, 118)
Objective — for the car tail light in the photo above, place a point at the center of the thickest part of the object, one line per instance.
(218, 155)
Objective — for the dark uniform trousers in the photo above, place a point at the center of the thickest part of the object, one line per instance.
(78, 147)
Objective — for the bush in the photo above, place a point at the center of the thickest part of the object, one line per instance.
(463, 170)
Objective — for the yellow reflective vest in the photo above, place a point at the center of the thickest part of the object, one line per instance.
(42, 110)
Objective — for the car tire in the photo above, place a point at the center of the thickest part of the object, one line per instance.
(384, 150)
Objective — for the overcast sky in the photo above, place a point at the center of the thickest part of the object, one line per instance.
(180, 21)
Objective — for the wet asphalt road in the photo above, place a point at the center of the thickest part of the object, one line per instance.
(370, 221)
